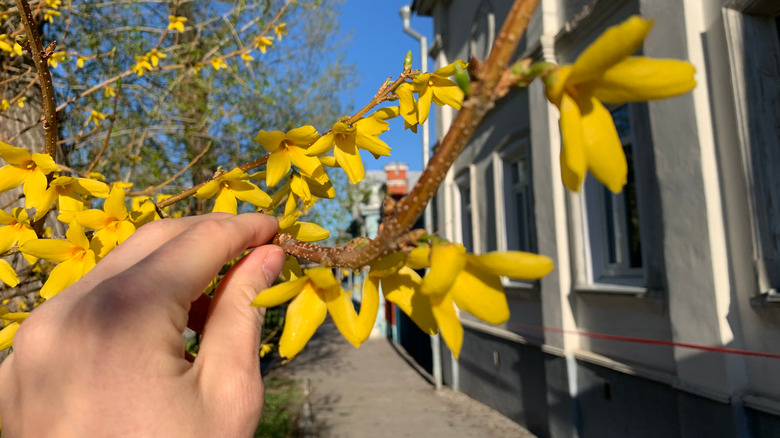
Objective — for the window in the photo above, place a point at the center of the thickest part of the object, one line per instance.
(515, 209)
(753, 41)
(613, 221)
(463, 188)
(482, 31)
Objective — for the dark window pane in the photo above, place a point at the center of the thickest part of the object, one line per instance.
(522, 223)
(632, 214)
(609, 216)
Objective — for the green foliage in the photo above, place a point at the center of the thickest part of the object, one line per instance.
(283, 399)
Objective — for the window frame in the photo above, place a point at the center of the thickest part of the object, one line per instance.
(600, 273)
(464, 181)
(516, 148)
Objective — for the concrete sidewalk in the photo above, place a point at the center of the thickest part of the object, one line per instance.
(373, 391)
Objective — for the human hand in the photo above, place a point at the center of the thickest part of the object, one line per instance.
(106, 356)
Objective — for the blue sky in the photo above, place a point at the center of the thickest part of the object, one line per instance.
(377, 48)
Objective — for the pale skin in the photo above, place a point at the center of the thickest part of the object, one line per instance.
(105, 357)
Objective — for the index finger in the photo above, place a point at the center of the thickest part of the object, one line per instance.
(188, 262)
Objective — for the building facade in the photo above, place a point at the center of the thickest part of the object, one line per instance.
(689, 253)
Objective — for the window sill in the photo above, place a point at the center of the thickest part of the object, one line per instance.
(770, 298)
(611, 289)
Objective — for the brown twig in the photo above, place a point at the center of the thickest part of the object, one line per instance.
(411, 207)
(153, 189)
(47, 89)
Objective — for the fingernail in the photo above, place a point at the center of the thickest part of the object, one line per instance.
(273, 263)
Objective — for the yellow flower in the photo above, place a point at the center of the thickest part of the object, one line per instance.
(218, 63)
(17, 49)
(49, 14)
(70, 194)
(7, 335)
(142, 65)
(472, 282)
(6, 43)
(23, 167)
(363, 134)
(73, 255)
(16, 230)
(605, 72)
(280, 29)
(265, 349)
(4, 105)
(437, 88)
(8, 275)
(262, 43)
(54, 4)
(154, 56)
(231, 186)
(407, 104)
(110, 92)
(55, 58)
(112, 224)
(20, 101)
(80, 61)
(247, 57)
(306, 188)
(303, 231)
(142, 211)
(313, 295)
(287, 149)
(95, 117)
(176, 23)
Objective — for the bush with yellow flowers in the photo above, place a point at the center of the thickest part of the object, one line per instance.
(296, 169)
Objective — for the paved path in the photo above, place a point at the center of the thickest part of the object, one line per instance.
(372, 391)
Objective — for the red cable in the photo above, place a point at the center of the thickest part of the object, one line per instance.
(651, 341)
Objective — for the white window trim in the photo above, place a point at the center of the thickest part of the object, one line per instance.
(590, 278)
(467, 175)
(486, 9)
(500, 157)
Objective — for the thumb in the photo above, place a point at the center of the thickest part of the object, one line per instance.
(232, 332)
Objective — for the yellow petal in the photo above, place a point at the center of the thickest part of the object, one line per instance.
(419, 258)
(302, 136)
(514, 264)
(481, 294)
(638, 79)
(95, 219)
(7, 335)
(343, 314)
(35, 189)
(349, 160)
(13, 154)
(390, 112)
(45, 163)
(44, 202)
(449, 70)
(369, 306)
(8, 238)
(48, 249)
(225, 202)
(573, 163)
(115, 204)
(372, 143)
(26, 235)
(443, 310)
(304, 314)
(250, 193)
(605, 156)
(388, 265)
(403, 289)
(103, 242)
(424, 103)
(11, 176)
(291, 269)
(124, 231)
(270, 140)
(446, 263)
(307, 231)
(321, 146)
(323, 278)
(277, 167)
(446, 92)
(62, 276)
(408, 109)
(281, 293)
(615, 44)
(209, 189)
(76, 236)
(310, 166)
(7, 274)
